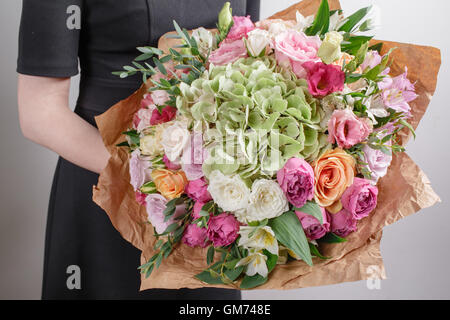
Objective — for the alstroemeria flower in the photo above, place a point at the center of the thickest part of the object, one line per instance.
(256, 264)
(258, 238)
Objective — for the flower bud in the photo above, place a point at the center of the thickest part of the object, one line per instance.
(330, 49)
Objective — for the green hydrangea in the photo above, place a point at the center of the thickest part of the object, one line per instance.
(256, 114)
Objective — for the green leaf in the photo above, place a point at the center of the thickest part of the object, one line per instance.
(123, 144)
(321, 22)
(332, 238)
(160, 66)
(354, 19)
(148, 188)
(377, 47)
(315, 252)
(206, 276)
(210, 255)
(170, 228)
(409, 126)
(271, 260)
(312, 209)
(288, 230)
(234, 273)
(250, 282)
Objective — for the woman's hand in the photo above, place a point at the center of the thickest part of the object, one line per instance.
(45, 118)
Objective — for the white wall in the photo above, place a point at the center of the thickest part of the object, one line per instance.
(414, 249)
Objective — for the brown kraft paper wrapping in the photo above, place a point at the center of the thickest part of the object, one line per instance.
(403, 191)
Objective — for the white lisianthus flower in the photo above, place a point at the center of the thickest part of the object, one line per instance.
(303, 22)
(256, 264)
(266, 201)
(230, 193)
(258, 238)
(330, 49)
(204, 39)
(174, 139)
(257, 41)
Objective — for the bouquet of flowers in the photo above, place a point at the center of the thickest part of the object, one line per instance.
(260, 145)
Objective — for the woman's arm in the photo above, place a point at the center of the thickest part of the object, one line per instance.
(45, 118)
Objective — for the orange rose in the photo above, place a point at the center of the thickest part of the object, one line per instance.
(169, 183)
(344, 59)
(333, 173)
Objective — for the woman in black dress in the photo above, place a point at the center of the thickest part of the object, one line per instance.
(85, 257)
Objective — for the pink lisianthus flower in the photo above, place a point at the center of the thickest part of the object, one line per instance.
(346, 129)
(324, 79)
(139, 170)
(166, 114)
(398, 92)
(228, 52)
(296, 179)
(360, 198)
(223, 229)
(171, 165)
(140, 197)
(313, 229)
(241, 26)
(294, 48)
(193, 157)
(342, 223)
(198, 190)
(377, 161)
(155, 205)
(194, 236)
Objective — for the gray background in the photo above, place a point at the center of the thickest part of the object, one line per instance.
(415, 249)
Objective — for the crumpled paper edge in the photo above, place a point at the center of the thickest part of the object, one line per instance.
(350, 260)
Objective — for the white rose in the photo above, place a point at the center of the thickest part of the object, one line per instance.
(257, 40)
(266, 200)
(204, 39)
(230, 193)
(174, 139)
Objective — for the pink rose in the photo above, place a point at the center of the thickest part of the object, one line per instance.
(140, 197)
(160, 97)
(194, 236)
(198, 190)
(346, 129)
(170, 165)
(313, 229)
(342, 223)
(196, 209)
(147, 101)
(360, 198)
(166, 114)
(240, 28)
(324, 79)
(377, 161)
(223, 229)
(139, 170)
(293, 49)
(228, 52)
(155, 205)
(193, 157)
(296, 179)
(142, 118)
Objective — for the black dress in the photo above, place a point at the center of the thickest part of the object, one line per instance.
(103, 35)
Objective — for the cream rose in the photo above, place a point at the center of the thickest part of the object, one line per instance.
(204, 39)
(150, 143)
(174, 139)
(266, 201)
(230, 193)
